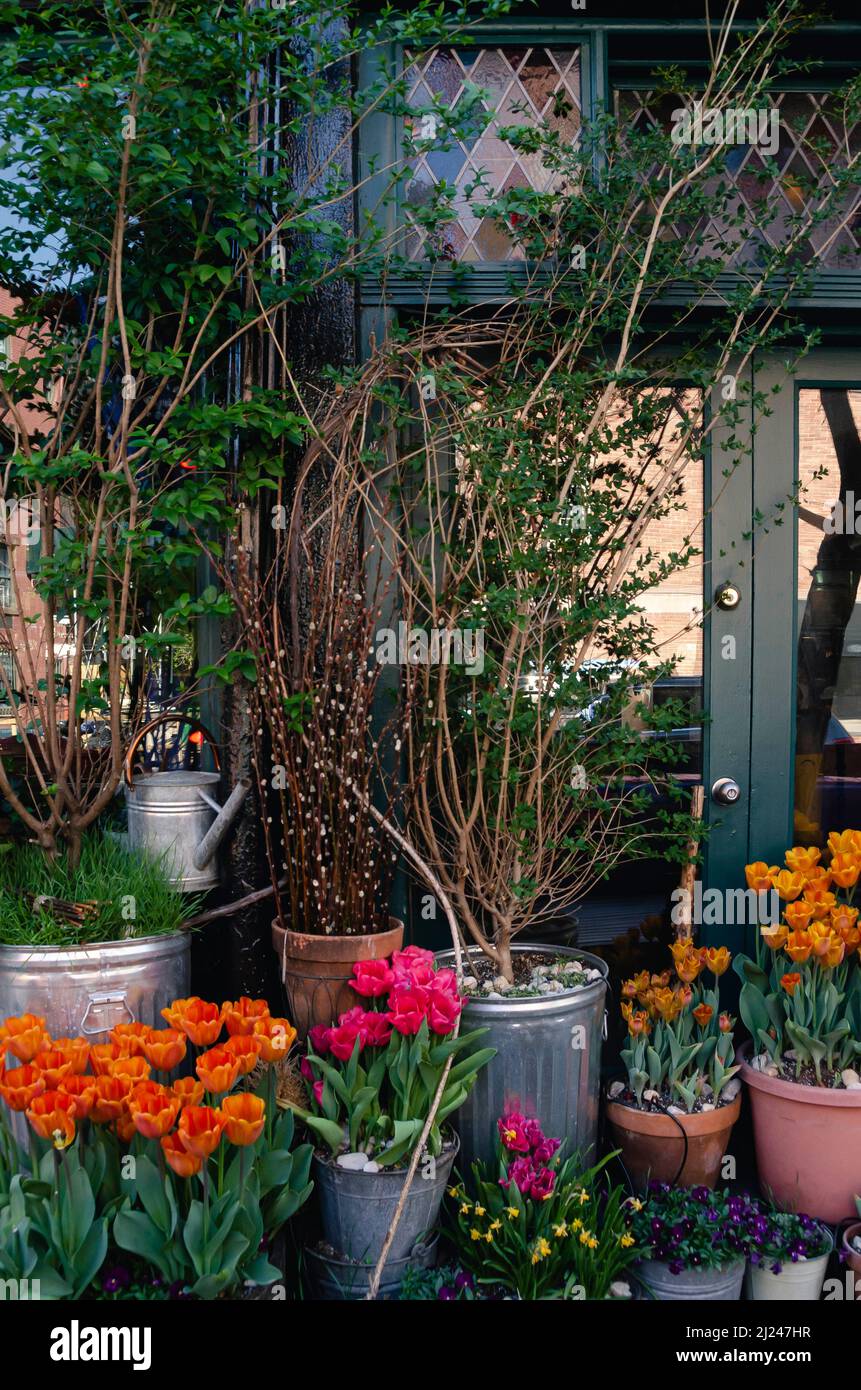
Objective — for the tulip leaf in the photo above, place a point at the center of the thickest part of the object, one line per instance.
(260, 1272)
(156, 1195)
(136, 1232)
(90, 1257)
(332, 1133)
(752, 1007)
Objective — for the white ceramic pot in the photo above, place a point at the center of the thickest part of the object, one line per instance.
(796, 1283)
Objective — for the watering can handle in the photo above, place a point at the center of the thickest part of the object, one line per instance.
(168, 718)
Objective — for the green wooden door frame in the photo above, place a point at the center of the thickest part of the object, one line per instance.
(750, 697)
(774, 619)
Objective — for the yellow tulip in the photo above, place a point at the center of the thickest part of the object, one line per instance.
(789, 885)
(717, 959)
(845, 842)
(799, 946)
(802, 861)
(760, 876)
(799, 914)
(845, 869)
(774, 937)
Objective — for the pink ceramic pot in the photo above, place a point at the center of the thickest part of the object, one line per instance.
(808, 1143)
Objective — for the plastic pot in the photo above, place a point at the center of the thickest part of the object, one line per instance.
(796, 1283)
(808, 1143)
(315, 970)
(653, 1143)
(715, 1285)
(850, 1254)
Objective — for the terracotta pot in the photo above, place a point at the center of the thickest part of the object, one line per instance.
(653, 1149)
(315, 970)
(808, 1144)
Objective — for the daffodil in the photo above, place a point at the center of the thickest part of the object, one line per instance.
(512, 1213)
(541, 1251)
(465, 1208)
(480, 1211)
(626, 1241)
(560, 1230)
(474, 1234)
(634, 1203)
(496, 1225)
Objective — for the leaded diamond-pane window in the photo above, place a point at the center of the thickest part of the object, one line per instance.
(522, 86)
(815, 138)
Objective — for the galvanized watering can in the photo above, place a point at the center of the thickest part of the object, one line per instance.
(173, 815)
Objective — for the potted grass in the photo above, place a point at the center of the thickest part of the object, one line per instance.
(787, 1256)
(90, 945)
(801, 1000)
(673, 1118)
(692, 1242)
(373, 1079)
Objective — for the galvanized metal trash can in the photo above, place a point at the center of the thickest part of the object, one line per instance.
(84, 991)
(547, 1063)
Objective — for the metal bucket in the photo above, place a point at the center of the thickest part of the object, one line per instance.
(83, 991)
(356, 1208)
(348, 1282)
(719, 1285)
(547, 1063)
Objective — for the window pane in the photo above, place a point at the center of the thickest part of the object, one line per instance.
(522, 86)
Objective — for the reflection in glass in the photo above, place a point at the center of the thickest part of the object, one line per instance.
(828, 697)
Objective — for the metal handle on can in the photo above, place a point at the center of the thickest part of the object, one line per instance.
(99, 1000)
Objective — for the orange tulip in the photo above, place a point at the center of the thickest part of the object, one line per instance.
(217, 1069)
(134, 1068)
(77, 1051)
(165, 1048)
(637, 1021)
(717, 959)
(245, 1115)
(774, 937)
(242, 1016)
(246, 1051)
(828, 946)
(102, 1055)
(83, 1089)
(200, 1129)
(681, 948)
(799, 914)
(801, 861)
(188, 1090)
(19, 1086)
(843, 916)
(124, 1126)
(799, 946)
(54, 1066)
(153, 1112)
(760, 876)
(845, 842)
(183, 1163)
(851, 938)
(689, 968)
(52, 1116)
(788, 885)
(200, 1021)
(132, 1036)
(109, 1098)
(821, 901)
(703, 1014)
(790, 982)
(726, 1023)
(818, 878)
(667, 1004)
(276, 1036)
(845, 869)
(23, 1036)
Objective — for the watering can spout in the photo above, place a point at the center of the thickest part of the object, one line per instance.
(225, 816)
